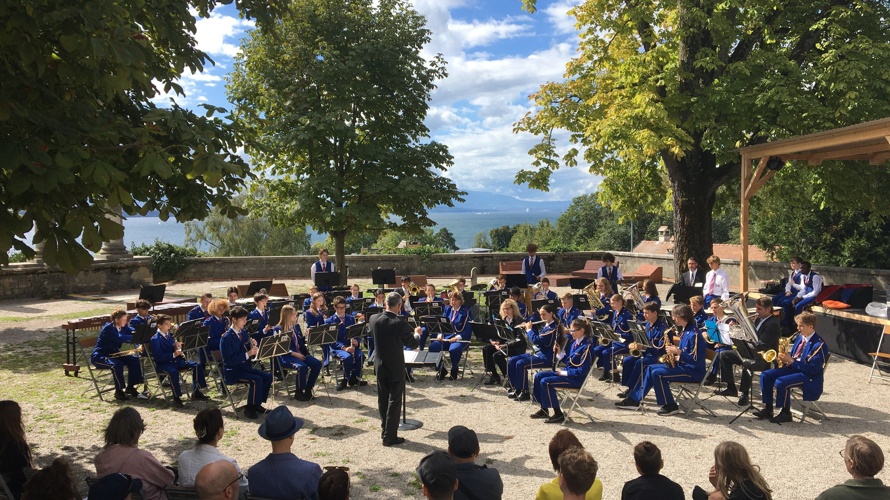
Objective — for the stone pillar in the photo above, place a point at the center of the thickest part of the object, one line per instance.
(38, 255)
(114, 249)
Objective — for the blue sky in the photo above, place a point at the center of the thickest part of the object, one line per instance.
(497, 55)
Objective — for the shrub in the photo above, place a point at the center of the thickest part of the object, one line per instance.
(167, 259)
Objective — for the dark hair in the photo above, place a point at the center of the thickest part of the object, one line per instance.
(334, 484)
(806, 267)
(685, 312)
(462, 280)
(647, 456)
(531, 247)
(545, 279)
(233, 289)
(206, 295)
(652, 307)
(578, 469)
(765, 301)
(118, 313)
(797, 259)
(54, 481)
(12, 429)
(260, 296)
(866, 456)
(515, 292)
(143, 304)
(124, 428)
(160, 319)
(549, 308)
(650, 288)
(238, 312)
(608, 257)
(207, 424)
(562, 441)
(582, 324)
(338, 301)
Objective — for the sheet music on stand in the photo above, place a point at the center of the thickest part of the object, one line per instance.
(322, 334)
(193, 335)
(253, 326)
(422, 358)
(581, 302)
(436, 326)
(422, 309)
(356, 331)
(538, 304)
(496, 297)
(272, 347)
(607, 332)
(360, 305)
(485, 332)
(143, 332)
(640, 337)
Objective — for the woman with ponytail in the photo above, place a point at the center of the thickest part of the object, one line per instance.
(209, 429)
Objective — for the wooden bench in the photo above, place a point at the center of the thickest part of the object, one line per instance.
(645, 272)
(590, 270)
(560, 279)
(417, 279)
(510, 267)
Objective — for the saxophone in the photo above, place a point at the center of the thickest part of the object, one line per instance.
(666, 358)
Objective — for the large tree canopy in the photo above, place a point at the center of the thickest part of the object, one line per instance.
(80, 135)
(662, 93)
(333, 108)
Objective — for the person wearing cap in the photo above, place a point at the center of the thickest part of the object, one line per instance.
(438, 476)
(282, 475)
(114, 486)
(218, 481)
(474, 481)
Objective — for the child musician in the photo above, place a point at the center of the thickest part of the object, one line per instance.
(533, 265)
(261, 315)
(299, 359)
(545, 292)
(348, 350)
(111, 338)
(568, 312)
(200, 310)
(634, 367)
(237, 349)
(618, 320)
(543, 340)
(610, 271)
(577, 365)
(496, 352)
(167, 354)
(459, 316)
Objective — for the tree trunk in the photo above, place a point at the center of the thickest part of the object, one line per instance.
(693, 197)
(340, 254)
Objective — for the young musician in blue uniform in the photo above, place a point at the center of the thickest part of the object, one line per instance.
(308, 300)
(618, 320)
(713, 340)
(811, 287)
(315, 316)
(109, 342)
(430, 294)
(516, 295)
(533, 266)
(610, 271)
(458, 341)
(567, 313)
(689, 359)
(543, 339)
(142, 316)
(500, 283)
(168, 358)
(576, 361)
(348, 350)
(512, 342)
(803, 367)
(299, 359)
(697, 304)
(217, 323)
(355, 293)
(545, 292)
(200, 310)
(604, 289)
(632, 374)
(322, 265)
(792, 289)
(260, 314)
(233, 295)
(650, 294)
(237, 349)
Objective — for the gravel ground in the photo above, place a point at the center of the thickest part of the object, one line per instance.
(64, 418)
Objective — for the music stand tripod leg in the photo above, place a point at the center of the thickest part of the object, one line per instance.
(750, 398)
(407, 424)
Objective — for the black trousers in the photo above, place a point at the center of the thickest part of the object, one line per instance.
(389, 402)
(493, 356)
(731, 357)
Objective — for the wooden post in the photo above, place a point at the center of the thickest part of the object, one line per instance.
(746, 181)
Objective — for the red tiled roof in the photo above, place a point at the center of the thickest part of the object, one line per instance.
(723, 250)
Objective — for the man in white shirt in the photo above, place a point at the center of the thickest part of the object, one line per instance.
(716, 281)
(811, 287)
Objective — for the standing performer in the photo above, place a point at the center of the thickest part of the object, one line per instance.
(109, 342)
(533, 265)
(618, 320)
(459, 316)
(543, 340)
(716, 281)
(200, 311)
(167, 353)
(577, 366)
(322, 265)
(610, 271)
(236, 349)
(306, 366)
(348, 350)
(497, 352)
(634, 367)
(392, 335)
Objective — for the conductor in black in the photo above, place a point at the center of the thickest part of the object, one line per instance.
(391, 335)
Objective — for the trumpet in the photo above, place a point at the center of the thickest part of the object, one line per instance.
(413, 289)
(137, 351)
(636, 352)
(667, 358)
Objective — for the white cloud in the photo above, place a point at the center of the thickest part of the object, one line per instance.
(215, 31)
(193, 85)
(557, 14)
(479, 33)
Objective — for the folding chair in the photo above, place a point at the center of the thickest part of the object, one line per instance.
(690, 391)
(879, 357)
(465, 356)
(99, 376)
(575, 395)
(150, 372)
(180, 493)
(228, 390)
(797, 394)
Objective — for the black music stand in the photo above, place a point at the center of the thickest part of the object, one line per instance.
(143, 332)
(538, 304)
(485, 333)
(256, 286)
(322, 334)
(326, 280)
(748, 352)
(253, 327)
(581, 302)
(517, 280)
(469, 298)
(415, 359)
(494, 299)
(356, 331)
(382, 277)
(682, 293)
(438, 325)
(152, 293)
(640, 338)
(272, 347)
(193, 335)
(428, 309)
(579, 283)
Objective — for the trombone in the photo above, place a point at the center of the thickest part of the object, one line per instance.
(136, 351)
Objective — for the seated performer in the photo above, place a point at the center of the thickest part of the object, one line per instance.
(322, 265)
(610, 271)
(697, 304)
(604, 289)
(516, 295)
(233, 295)
(299, 359)
(543, 340)
(260, 314)
(768, 332)
(618, 320)
(533, 265)
(803, 367)
(308, 300)
(237, 348)
(200, 310)
(167, 354)
(501, 283)
(348, 350)
(497, 351)
(577, 361)
(650, 294)
(716, 282)
(317, 315)
(430, 294)
(109, 342)
(355, 293)
(693, 277)
(719, 320)
(217, 323)
(567, 313)
(142, 316)
(792, 289)
(634, 367)
(545, 292)
(688, 366)
(811, 287)
(459, 316)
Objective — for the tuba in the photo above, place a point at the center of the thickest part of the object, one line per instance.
(746, 329)
(594, 299)
(452, 287)
(634, 292)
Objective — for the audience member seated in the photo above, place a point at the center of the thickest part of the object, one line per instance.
(577, 472)
(650, 484)
(15, 454)
(53, 482)
(438, 476)
(334, 484)
(115, 486)
(218, 481)
(208, 424)
(733, 476)
(562, 441)
(863, 459)
(122, 454)
(282, 475)
(474, 481)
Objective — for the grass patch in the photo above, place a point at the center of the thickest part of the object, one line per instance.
(394, 474)
(360, 420)
(375, 488)
(415, 482)
(71, 315)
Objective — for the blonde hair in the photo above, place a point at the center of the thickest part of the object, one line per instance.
(218, 307)
(806, 318)
(734, 469)
(713, 259)
(512, 303)
(286, 323)
(605, 281)
(312, 306)
(697, 300)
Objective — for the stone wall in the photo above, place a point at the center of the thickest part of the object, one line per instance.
(30, 281)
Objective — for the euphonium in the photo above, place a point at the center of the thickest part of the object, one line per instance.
(452, 287)
(594, 299)
(604, 341)
(636, 353)
(666, 358)
(634, 292)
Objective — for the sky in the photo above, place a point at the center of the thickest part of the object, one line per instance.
(497, 55)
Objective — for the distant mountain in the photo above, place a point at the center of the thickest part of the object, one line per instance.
(479, 201)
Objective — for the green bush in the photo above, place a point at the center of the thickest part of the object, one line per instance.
(17, 257)
(167, 259)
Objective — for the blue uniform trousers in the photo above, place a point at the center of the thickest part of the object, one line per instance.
(545, 386)
(258, 382)
(659, 377)
(518, 366)
(708, 298)
(116, 365)
(352, 363)
(632, 374)
(455, 351)
(784, 301)
(802, 304)
(783, 379)
(307, 369)
(172, 369)
(604, 354)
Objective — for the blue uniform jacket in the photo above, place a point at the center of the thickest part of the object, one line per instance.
(619, 323)
(607, 307)
(460, 321)
(566, 317)
(197, 313)
(545, 339)
(341, 331)
(162, 349)
(578, 359)
(427, 299)
(811, 363)
(522, 310)
(111, 339)
(655, 334)
(646, 300)
(700, 317)
(233, 349)
(263, 317)
(297, 340)
(307, 302)
(312, 319)
(217, 327)
(692, 351)
(351, 298)
(138, 320)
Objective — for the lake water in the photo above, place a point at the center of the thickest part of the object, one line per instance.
(463, 225)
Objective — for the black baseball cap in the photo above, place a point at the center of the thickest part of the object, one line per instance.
(462, 442)
(437, 472)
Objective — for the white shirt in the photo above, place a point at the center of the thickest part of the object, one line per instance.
(618, 275)
(312, 269)
(816, 285)
(720, 282)
(540, 263)
(191, 461)
(791, 284)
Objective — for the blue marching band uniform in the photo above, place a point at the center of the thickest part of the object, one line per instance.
(604, 353)
(634, 367)
(577, 364)
(785, 301)
(461, 331)
(806, 371)
(163, 348)
(606, 309)
(313, 320)
(700, 317)
(197, 313)
(237, 367)
(262, 317)
(549, 295)
(646, 300)
(566, 316)
(352, 362)
(307, 368)
(109, 342)
(518, 366)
